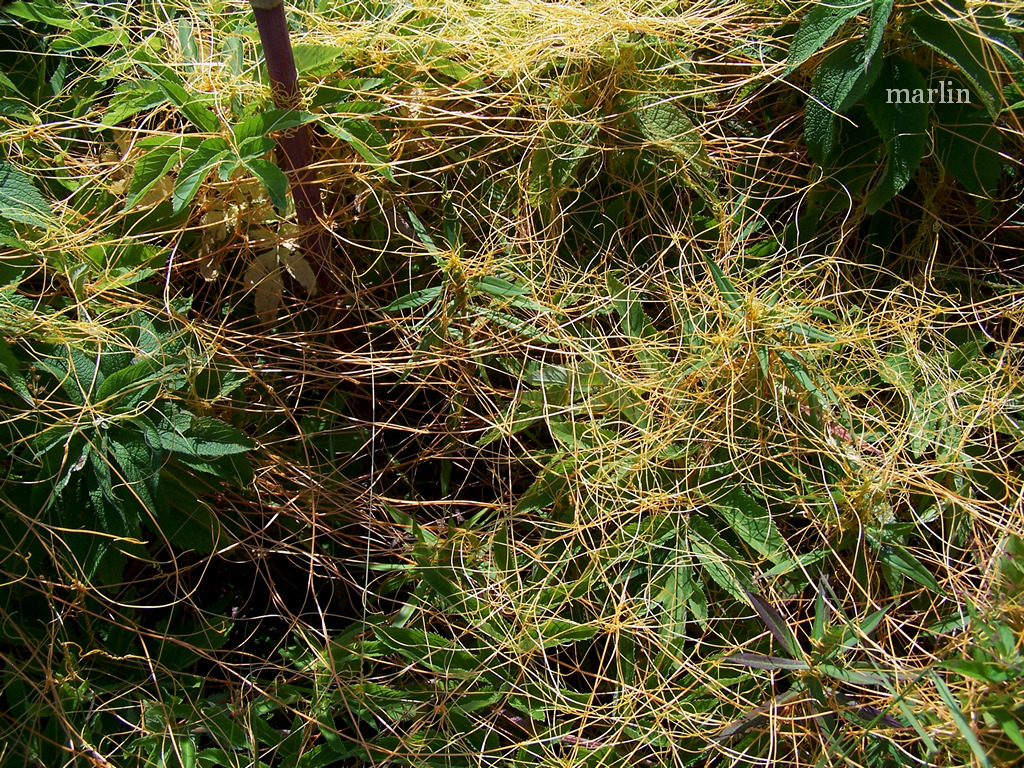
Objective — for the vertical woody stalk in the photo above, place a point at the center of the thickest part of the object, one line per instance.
(293, 148)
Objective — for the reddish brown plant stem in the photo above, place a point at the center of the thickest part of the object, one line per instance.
(294, 150)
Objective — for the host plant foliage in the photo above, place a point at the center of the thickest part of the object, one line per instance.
(672, 413)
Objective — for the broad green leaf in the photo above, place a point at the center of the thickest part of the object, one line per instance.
(310, 57)
(20, 200)
(967, 147)
(819, 25)
(903, 127)
(268, 122)
(202, 437)
(273, 179)
(197, 114)
(721, 562)
(751, 521)
(667, 125)
(367, 141)
(257, 146)
(837, 83)
(42, 11)
(149, 169)
(963, 48)
(145, 371)
(195, 169)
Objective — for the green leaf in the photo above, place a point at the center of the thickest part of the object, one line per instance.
(201, 437)
(20, 200)
(197, 114)
(880, 12)
(414, 299)
(145, 371)
(311, 57)
(751, 521)
(900, 560)
(273, 179)
(836, 85)
(761, 661)
(557, 632)
(432, 651)
(265, 123)
(149, 169)
(967, 147)
(195, 169)
(732, 297)
(819, 25)
(775, 624)
(557, 158)
(367, 141)
(43, 12)
(498, 287)
(966, 50)
(11, 368)
(719, 559)
(903, 127)
(667, 125)
(961, 722)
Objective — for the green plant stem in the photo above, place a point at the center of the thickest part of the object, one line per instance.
(294, 147)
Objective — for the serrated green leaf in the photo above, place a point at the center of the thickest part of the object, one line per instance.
(201, 437)
(310, 57)
(149, 169)
(836, 84)
(880, 12)
(265, 123)
(819, 25)
(195, 169)
(667, 125)
(903, 127)
(20, 200)
(273, 179)
(367, 141)
(963, 48)
(145, 371)
(197, 114)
